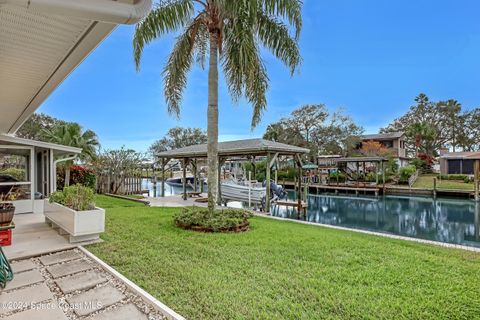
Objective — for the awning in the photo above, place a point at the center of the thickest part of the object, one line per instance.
(41, 43)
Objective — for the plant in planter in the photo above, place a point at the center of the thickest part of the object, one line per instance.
(7, 208)
(221, 220)
(73, 210)
(77, 197)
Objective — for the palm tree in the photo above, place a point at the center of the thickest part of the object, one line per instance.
(71, 134)
(232, 33)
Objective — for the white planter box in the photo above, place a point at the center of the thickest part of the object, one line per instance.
(80, 225)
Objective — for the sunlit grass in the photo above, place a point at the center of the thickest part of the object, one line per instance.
(285, 270)
(426, 182)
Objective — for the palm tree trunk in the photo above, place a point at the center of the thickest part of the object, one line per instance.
(212, 122)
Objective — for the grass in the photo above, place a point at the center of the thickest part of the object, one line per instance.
(285, 270)
(426, 182)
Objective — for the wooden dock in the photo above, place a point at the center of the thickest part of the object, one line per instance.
(302, 206)
(388, 189)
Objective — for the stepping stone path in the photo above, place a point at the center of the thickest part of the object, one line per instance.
(67, 268)
(95, 299)
(59, 257)
(24, 279)
(81, 281)
(23, 265)
(69, 286)
(40, 314)
(126, 312)
(17, 299)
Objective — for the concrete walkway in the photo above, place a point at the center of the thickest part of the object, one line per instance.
(32, 237)
(70, 285)
(175, 201)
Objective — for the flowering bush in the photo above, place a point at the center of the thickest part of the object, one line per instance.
(78, 175)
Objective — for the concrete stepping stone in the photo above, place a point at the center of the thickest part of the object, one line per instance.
(126, 312)
(18, 299)
(71, 267)
(24, 279)
(80, 281)
(95, 299)
(23, 265)
(39, 314)
(59, 257)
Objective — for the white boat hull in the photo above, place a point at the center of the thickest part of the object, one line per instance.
(237, 192)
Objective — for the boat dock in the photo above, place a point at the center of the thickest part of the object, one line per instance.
(376, 190)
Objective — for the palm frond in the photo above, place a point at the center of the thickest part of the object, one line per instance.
(243, 66)
(166, 17)
(178, 65)
(275, 36)
(287, 9)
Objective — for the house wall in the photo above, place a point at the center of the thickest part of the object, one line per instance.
(443, 166)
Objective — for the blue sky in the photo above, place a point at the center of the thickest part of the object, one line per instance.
(370, 58)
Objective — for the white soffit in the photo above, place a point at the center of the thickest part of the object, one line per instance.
(39, 49)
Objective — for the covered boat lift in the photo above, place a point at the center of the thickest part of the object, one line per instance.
(248, 149)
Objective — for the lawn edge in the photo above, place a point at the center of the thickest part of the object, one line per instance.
(164, 309)
(373, 233)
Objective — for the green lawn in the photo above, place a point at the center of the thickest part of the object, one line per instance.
(285, 270)
(426, 182)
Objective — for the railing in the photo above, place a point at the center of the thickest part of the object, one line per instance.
(413, 178)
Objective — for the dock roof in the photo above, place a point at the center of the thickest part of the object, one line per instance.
(248, 147)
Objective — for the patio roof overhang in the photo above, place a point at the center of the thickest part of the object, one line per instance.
(237, 148)
(58, 149)
(42, 42)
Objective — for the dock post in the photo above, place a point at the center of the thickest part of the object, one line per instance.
(299, 193)
(184, 164)
(194, 167)
(383, 176)
(476, 170)
(219, 182)
(267, 184)
(434, 187)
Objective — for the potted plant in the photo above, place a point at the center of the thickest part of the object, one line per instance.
(73, 211)
(7, 208)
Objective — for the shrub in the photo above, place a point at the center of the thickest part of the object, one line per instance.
(334, 175)
(419, 164)
(457, 176)
(372, 177)
(287, 174)
(406, 172)
(18, 174)
(467, 179)
(222, 220)
(77, 197)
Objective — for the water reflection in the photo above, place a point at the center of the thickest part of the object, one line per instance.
(445, 220)
(155, 189)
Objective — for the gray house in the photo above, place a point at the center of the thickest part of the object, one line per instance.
(458, 162)
(394, 141)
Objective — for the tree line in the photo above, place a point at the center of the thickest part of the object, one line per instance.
(432, 125)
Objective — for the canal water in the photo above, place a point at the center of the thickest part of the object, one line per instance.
(443, 219)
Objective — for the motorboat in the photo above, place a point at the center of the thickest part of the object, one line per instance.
(250, 191)
(178, 182)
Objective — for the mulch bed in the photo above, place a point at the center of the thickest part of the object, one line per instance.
(242, 227)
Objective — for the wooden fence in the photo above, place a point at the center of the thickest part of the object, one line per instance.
(119, 184)
(413, 178)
